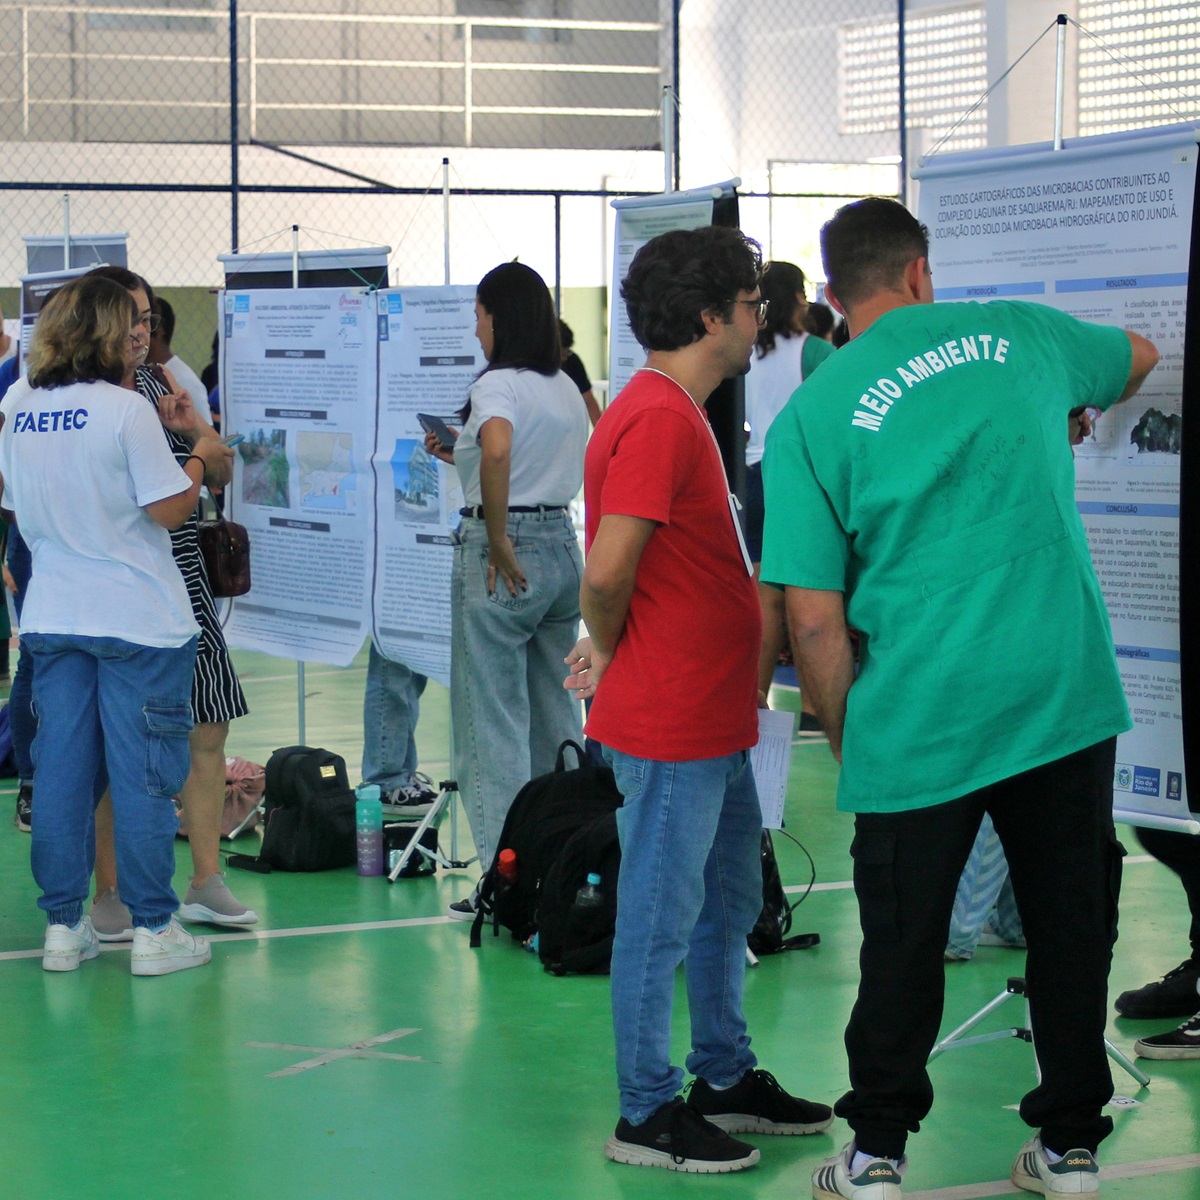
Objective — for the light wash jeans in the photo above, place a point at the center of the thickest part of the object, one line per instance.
(690, 891)
(113, 713)
(507, 698)
(391, 708)
(985, 893)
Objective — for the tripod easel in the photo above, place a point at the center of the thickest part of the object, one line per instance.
(1016, 987)
(447, 790)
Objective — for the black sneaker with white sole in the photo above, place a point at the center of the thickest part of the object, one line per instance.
(1180, 1043)
(677, 1138)
(411, 800)
(757, 1103)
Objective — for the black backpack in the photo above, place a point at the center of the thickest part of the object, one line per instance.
(573, 940)
(544, 815)
(309, 805)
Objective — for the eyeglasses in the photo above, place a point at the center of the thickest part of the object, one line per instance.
(151, 320)
(760, 308)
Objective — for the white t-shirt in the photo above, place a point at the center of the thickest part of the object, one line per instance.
(769, 386)
(80, 463)
(190, 382)
(550, 429)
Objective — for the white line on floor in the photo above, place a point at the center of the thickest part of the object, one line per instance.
(1129, 1170)
(263, 935)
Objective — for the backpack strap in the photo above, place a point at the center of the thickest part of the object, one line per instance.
(580, 754)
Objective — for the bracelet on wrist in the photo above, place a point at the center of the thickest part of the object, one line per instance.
(203, 464)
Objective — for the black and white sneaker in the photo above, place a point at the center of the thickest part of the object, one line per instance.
(463, 910)
(1180, 1043)
(757, 1103)
(1174, 995)
(23, 818)
(677, 1138)
(411, 800)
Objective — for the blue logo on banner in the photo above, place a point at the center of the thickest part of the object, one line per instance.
(1174, 785)
(383, 328)
(1146, 781)
(241, 304)
(395, 304)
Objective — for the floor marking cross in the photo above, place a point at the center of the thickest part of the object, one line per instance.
(328, 1054)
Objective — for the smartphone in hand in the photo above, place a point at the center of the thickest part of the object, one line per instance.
(440, 430)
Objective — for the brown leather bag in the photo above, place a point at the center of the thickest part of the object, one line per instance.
(225, 548)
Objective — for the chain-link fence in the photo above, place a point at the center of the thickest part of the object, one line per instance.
(198, 126)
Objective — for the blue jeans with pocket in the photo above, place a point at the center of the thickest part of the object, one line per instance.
(507, 699)
(689, 892)
(116, 714)
(391, 708)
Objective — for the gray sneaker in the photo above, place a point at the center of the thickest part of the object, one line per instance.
(167, 950)
(111, 918)
(212, 903)
(65, 948)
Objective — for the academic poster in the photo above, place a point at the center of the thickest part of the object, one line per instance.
(428, 356)
(1102, 230)
(298, 383)
(640, 218)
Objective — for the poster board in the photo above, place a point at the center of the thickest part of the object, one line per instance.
(1101, 229)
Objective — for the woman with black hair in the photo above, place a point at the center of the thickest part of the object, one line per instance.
(517, 565)
(785, 355)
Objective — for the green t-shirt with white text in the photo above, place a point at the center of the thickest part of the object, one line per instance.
(925, 472)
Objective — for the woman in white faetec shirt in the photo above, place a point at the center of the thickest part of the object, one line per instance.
(106, 620)
(514, 601)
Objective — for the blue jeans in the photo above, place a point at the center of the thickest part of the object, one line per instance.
(109, 713)
(690, 890)
(20, 699)
(985, 893)
(507, 699)
(391, 707)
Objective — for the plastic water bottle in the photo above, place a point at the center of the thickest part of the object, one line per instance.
(368, 829)
(590, 895)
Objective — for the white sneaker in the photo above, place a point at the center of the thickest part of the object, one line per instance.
(66, 947)
(878, 1180)
(214, 904)
(171, 949)
(1076, 1173)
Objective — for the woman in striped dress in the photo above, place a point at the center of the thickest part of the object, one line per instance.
(217, 696)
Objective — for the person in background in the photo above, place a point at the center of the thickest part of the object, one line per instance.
(785, 355)
(669, 599)
(574, 369)
(217, 696)
(160, 352)
(821, 321)
(514, 604)
(973, 588)
(8, 343)
(107, 620)
(391, 709)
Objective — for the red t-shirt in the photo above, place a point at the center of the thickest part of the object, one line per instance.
(683, 683)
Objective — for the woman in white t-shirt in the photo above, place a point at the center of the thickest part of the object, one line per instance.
(106, 620)
(517, 566)
(785, 355)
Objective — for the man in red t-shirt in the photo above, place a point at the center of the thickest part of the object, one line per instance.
(672, 664)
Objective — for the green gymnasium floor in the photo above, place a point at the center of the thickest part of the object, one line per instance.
(475, 1074)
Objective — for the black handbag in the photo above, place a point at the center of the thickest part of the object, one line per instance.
(225, 548)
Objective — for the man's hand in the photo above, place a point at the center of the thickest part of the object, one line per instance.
(587, 669)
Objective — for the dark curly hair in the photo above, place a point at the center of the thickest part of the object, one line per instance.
(866, 246)
(677, 276)
(128, 279)
(781, 283)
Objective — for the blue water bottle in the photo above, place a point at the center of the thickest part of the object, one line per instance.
(368, 829)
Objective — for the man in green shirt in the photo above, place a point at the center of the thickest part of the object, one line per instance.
(931, 463)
